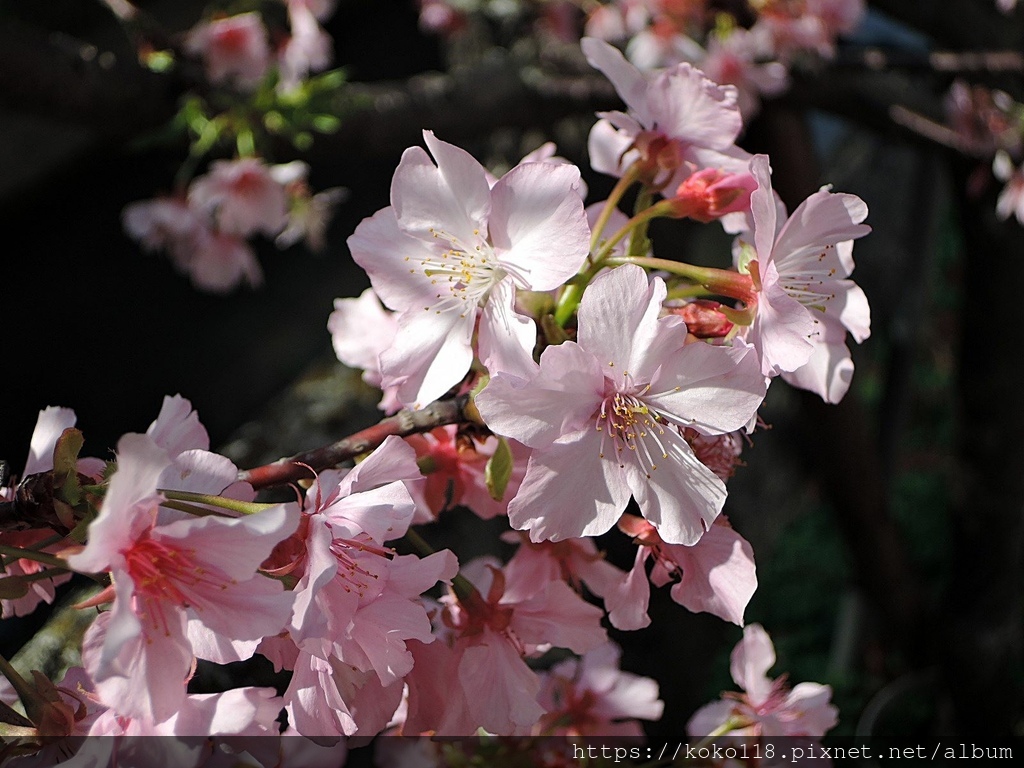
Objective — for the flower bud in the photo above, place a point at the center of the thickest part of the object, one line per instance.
(703, 319)
(712, 193)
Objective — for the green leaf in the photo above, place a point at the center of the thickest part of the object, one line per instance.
(65, 466)
(499, 470)
(13, 587)
(553, 332)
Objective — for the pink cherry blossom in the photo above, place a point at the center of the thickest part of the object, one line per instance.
(328, 698)
(449, 254)
(481, 656)
(242, 196)
(590, 696)
(456, 476)
(167, 570)
(1011, 199)
(309, 48)
(361, 329)
(356, 601)
(805, 304)
(308, 214)
(740, 59)
(164, 223)
(221, 263)
(578, 563)
(605, 417)
(678, 121)
(234, 49)
(768, 707)
(715, 575)
(50, 425)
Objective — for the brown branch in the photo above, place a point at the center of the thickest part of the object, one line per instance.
(438, 414)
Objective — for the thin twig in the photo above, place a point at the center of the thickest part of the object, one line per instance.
(438, 414)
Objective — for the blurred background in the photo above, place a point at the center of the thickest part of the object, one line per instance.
(887, 529)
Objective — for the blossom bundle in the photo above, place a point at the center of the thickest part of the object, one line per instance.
(592, 402)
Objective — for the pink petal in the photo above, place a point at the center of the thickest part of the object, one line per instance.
(177, 428)
(552, 508)
(452, 196)
(564, 394)
(49, 427)
(538, 226)
(750, 661)
(718, 574)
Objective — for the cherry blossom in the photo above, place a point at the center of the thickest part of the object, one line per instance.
(166, 570)
(805, 304)
(767, 707)
(715, 575)
(455, 467)
(678, 121)
(590, 696)
(234, 49)
(309, 49)
(451, 251)
(1011, 199)
(242, 196)
(740, 59)
(488, 634)
(361, 329)
(605, 416)
(578, 563)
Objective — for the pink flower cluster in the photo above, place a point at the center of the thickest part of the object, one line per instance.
(595, 405)
(205, 231)
(236, 50)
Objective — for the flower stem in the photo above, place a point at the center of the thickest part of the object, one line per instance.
(28, 554)
(721, 282)
(611, 203)
(572, 294)
(244, 507)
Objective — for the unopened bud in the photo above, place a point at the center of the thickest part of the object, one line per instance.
(703, 319)
(712, 193)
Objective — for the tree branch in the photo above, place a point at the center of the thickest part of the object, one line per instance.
(458, 410)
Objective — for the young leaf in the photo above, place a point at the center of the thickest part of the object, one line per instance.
(499, 470)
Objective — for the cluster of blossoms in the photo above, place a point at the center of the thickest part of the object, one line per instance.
(205, 227)
(752, 48)
(603, 388)
(236, 50)
(989, 124)
(753, 53)
(205, 231)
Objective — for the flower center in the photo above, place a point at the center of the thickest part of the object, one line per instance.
(166, 575)
(360, 564)
(462, 273)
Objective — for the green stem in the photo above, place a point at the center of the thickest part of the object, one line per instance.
(572, 294)
(39, 557)
(611, 203)
(193, 509)
(721, 282)
(47, 573)
(21, 686)
(419, 543)
(243, 507)
(687, 292)
(47, 542)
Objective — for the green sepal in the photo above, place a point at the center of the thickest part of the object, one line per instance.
(498, 471)
(553, 332)
(12, 588)
(65, 466)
